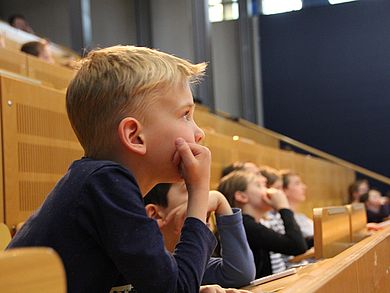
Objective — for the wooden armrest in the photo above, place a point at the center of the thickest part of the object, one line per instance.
(308, 254)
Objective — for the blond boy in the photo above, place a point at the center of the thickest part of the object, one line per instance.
(132, 111)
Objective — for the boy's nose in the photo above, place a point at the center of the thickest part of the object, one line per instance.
(199, 134)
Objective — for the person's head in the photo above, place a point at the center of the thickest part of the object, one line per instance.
(373, 199)
(293, 187)
(19, 21)
(244, 189)
(274, 179)
(129, 104)
(164, 197)
(160, 201)
(39, 49)
(357, 189)
(237, 166)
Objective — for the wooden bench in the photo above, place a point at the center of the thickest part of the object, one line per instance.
(33, 270)
(13, 61)
(53, 75)
(5, 236)
(357, 221)
(331, 231)
(364, 267)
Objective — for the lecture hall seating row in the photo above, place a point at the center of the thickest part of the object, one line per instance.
(51, 75)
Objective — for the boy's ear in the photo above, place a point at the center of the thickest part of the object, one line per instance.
(131, 136)
(240, 197)
(152, 211)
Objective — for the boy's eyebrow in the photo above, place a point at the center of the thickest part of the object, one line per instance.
(189, 105)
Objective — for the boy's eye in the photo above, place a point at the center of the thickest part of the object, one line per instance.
(187, 115)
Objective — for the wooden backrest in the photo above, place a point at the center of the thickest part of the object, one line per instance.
(38, 144)
(13, 61)
(331, 231)
(52, 75)
(33, 270)
(5, 236)
(358, 221)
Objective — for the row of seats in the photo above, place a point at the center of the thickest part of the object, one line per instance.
(51, 75)
(337, 228)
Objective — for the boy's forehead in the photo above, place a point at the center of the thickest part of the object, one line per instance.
(177, 96)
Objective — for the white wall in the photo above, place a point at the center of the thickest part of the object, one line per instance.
(226, 66)
(113, 23)
(172, 27)
(48, 18)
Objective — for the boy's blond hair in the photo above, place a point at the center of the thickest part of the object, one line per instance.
(233, 182)
(117, 82)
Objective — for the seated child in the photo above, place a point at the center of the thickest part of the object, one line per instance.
(167, 203)
(247, 191)
(132, 111)
(39, 49)
(357, 189)
(295, 191)
(377, 206)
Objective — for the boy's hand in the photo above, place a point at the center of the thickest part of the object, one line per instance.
(193, 162)
(219, 289)
(194, 166)
(276, 199)
(219, 204)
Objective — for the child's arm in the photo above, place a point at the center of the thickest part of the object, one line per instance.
(261, 237)
(236, 266)
(219, 289)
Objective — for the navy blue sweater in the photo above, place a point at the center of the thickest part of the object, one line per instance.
(95, 219)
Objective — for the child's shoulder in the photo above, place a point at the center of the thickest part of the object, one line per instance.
(89, 166)
(87, 171)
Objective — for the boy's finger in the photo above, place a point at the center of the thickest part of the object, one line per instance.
(176, 159)
(184, 151)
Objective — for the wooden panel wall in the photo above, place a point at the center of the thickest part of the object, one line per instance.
(210, 121)
(38, 145)
(326, 182)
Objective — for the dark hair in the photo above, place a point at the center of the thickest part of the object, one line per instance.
(12, 18)
(364, 198)
(286, 174)
(236, 166)
(354, 187)
(271, 174)
(158, 195)
(233, 182)
(33, 48)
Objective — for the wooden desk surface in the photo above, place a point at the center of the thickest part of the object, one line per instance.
(363, 267)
